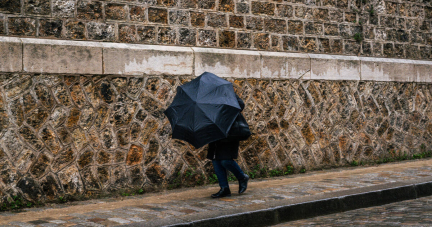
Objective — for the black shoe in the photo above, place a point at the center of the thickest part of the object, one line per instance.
(243, 184)
(222, 193)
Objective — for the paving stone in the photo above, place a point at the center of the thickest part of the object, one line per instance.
(21, 224)
(119, 220)
(137, 219)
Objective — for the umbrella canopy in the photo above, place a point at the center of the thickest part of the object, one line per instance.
(203, 110)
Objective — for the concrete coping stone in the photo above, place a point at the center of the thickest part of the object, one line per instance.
(6, 39)
(61, 56)
(147, 47)
(56, 42)
(334, 57)
(389, 60)
(224, 51)
(30, 55)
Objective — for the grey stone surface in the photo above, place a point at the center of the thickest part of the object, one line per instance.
(69, 57)
(227, 63)
(11, 54)
(274, 65)
(55, 56)
(143, 59)
(382, 69)
(333, 67)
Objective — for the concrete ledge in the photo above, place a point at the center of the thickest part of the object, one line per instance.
(227, 63)
(29, 55)
(334, 67)
(11, 54)
(423, 70)
(132, 59)
(59, 56)
(279, 65)
(384, 69)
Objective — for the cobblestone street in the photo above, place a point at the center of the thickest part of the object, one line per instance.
(408, 213)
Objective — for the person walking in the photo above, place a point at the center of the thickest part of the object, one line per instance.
(222, 153)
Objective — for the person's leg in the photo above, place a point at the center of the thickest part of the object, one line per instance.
(243, 179)
(220, 173)
(234, 168)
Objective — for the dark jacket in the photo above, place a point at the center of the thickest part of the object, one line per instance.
(225, 148)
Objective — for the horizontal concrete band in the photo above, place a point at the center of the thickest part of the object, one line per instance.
(28, 55)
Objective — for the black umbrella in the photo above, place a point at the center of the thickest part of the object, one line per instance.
(203, 110)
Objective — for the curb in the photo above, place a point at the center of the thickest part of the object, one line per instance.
(292, 212)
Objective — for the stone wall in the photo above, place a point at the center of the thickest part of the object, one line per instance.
(85, 135)
(397, 29)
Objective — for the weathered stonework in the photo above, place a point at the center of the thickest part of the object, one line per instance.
(91, 134)
(381, 28)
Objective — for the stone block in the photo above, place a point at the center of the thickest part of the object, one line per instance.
(64, 8)
(89, 10)
(56, 56)
(114, 11)
(236, 21)
(179, 17)
(11, 57)
(197, 19)
(2, 25)
(261, 41)
(388, 69)
(166, 35)
(254, 23)
(21, 26)
(101, 31)
(207, 38)
(10, 6)
(227, 39)
(187, 36)
(41, 7)
(333, 67)
(275, 25)
(244, 40)
(263, 8)
(226, 5)
(75, 30)
(217, 20)
(227, 63)
(207, 4)
(242, 8)
(137, 13)
(130, 59)
(50, 28)
(157, 15)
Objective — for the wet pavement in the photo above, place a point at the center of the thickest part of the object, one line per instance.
(416, 212)
(185, 205)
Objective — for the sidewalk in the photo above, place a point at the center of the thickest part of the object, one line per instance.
(266, 202)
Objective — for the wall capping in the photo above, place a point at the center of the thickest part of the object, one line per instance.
(30, 55)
